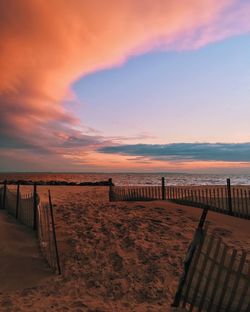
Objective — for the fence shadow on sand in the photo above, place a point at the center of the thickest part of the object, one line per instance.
(30, 211)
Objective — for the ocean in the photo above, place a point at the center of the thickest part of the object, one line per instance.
(134, 178)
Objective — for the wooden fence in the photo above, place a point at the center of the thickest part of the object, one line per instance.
(232, 200)
(20, 206)
(216, 277)
(47, 234)
(135, 193)
(37, 215)
(1, 197)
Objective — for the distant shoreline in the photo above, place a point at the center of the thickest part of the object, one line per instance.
(55, 183)
(142, 179)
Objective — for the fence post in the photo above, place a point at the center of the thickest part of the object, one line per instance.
(110, 189)
(54, 234)
(163, 190)
(17, 198)
(35, 208)
(4, 193)
(229, 196)
(196, 242)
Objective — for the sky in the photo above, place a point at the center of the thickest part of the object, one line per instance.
(125, 85)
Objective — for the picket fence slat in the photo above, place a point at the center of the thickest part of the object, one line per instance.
(217, 279)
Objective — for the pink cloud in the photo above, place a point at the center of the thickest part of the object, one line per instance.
(46, 46)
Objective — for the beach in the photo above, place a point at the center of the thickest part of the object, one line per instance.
(124, 125)
(119, 256)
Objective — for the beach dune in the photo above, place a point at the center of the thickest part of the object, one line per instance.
(121, 256)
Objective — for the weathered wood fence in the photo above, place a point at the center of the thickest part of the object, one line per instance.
(39, 216)
(135, 193)
(232, 200)
(20, 206)
(47, 234)
(216, 277)
(235, 202)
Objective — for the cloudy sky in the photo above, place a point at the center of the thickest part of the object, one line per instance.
(125, 85)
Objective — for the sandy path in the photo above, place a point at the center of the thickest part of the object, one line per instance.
(21, 265)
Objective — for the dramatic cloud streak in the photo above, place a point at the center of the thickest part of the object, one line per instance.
(185, 151)
(46, 46)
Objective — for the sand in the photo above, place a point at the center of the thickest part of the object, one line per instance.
(21, 264)
(118, 256)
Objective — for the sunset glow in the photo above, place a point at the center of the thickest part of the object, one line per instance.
(81, 77)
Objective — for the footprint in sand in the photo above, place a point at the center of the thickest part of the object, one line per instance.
(127, 243)
(116, 261)
(139, 206)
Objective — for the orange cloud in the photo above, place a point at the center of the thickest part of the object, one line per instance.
(47, 45)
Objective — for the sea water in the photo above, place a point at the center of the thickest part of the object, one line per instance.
(134, 178)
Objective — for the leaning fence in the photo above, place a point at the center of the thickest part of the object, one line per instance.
(30, 211)
(216, 277)
(47, 235)
(232, 200)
